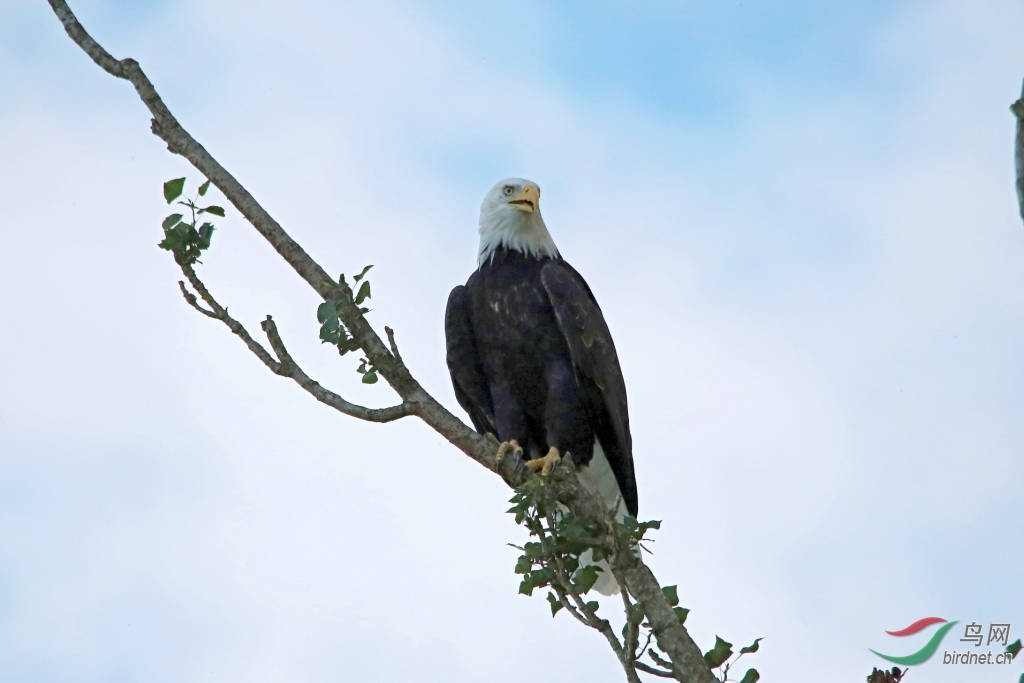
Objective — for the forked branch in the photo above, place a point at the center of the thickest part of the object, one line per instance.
(284, 365)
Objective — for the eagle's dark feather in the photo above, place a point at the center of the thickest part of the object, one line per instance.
(532, 359)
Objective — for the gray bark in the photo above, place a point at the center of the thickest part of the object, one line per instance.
(671, 636)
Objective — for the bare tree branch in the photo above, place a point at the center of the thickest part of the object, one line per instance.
(659, 660)
(646, 668)
(194, 303)
(671, 636)
(323, 395)
(1018, 110)
(286, 366)
(220, 313)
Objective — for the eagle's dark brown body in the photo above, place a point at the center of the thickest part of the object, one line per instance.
(531, 359)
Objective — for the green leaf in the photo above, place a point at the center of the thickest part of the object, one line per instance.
(215, 210)
(364, 293)
(592, 605)
(526, 587)
(173, 188)
(326, 310)
(542, 577)
(555, 603)
(671, 594)
(370, 378)
(205, 234)
(523, 565)
(1014, 648)
(636, 613)
(585, 579)
(717, 655)
(751, 648)
(203, 188)
(533, 550)
(681, 613)
(359, 277)
(753, 677)
(171, 221)
(331, 324)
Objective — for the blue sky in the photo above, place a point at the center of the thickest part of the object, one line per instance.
(799, 220)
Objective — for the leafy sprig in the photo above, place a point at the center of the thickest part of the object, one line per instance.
(332, 327)
(556, 558)
(182, 237)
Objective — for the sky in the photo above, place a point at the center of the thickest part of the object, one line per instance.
(798, 218)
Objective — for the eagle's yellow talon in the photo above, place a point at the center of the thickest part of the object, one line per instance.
(546, 463)
(506, 447)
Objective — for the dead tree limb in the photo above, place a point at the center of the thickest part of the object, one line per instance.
(285, 365)
(687, 661)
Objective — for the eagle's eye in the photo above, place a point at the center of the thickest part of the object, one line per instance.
(507, 190)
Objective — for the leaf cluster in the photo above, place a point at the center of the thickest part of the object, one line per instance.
(555, 558)
(332, 327)
(720, 657)
(562, 557)
(562, 539)
(187, 240)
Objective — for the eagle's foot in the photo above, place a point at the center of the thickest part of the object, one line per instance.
(546, 463)
(507, 447)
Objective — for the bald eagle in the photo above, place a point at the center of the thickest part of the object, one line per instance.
(530, 355)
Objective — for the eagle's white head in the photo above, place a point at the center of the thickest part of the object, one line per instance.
(510, 217)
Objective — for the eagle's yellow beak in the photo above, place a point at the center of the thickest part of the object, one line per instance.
(528, 199)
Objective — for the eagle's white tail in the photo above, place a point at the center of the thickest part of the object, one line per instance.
(598, 478)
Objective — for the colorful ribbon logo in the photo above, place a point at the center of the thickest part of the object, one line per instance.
(930, 647)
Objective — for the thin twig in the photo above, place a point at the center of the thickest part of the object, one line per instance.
(646, 645)
(220, 313)
(326, 396)
(630, 637)
(193, 302)
(647, 668)
(660, 661)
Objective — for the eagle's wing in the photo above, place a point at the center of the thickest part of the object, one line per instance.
(597, 369)
(464, 364)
